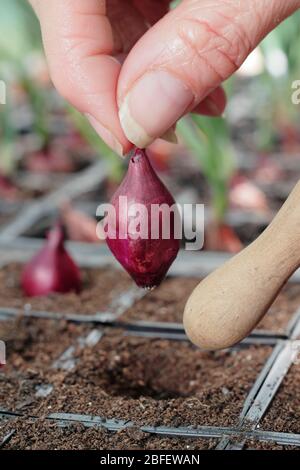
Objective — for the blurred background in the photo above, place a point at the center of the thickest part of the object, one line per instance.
(242, 166)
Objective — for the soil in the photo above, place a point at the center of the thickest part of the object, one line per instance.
(100, 287)
(46, 435)
(261, 445)
(31, 347)
(284, 412)
(166, 304)
(282, 310)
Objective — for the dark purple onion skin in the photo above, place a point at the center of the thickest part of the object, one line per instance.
(51, 269)
(147, 261)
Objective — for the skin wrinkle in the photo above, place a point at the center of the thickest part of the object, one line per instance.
(230, 21)
(234, 65)
(237, 58)
(247, 20)
(257, 13)
(243, 36)
(198, 54)
(232, 17)
(81, 50)
(276, 10)
(217, 35)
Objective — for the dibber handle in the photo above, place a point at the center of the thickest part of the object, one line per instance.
(228, 304)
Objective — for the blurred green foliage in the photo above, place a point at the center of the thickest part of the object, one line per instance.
(20, 30)
(208, 139)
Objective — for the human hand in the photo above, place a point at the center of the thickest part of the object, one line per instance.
(134, 69)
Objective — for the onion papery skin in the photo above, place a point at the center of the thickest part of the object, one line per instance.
(146, 260)
(51, 270)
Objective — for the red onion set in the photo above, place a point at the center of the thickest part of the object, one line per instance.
(146, 260)
(8, 190)
(52, 269)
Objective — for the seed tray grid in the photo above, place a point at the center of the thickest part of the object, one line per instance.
(7, 438)
(137, 328)
(263, 391)
(264, 388)
(115, 425)
(231, 438)
(255, 405)
(94, 175)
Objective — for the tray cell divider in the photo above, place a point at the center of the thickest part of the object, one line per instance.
(268, 382)
(114, 425)
(172, 331)
(86, 180)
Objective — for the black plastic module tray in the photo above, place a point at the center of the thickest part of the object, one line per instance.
(14, 248)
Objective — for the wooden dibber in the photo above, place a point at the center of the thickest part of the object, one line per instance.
(228, 304)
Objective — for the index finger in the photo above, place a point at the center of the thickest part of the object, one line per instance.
(79, 44)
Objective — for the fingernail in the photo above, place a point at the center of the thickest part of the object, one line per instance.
(152, 106)
(106, 135)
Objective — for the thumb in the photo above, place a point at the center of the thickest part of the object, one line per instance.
(186, 56)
